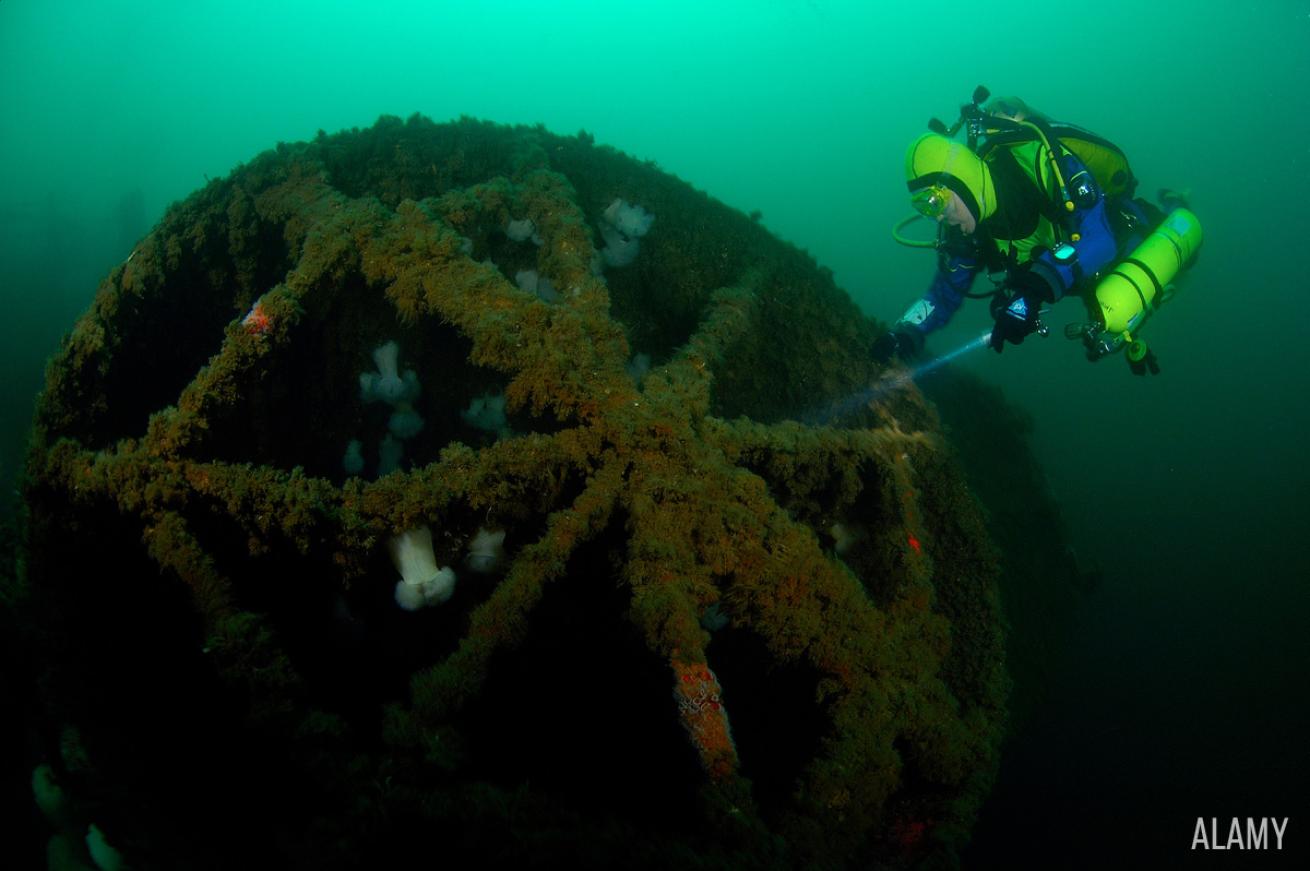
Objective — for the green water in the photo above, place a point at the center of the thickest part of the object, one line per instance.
(1186, 676)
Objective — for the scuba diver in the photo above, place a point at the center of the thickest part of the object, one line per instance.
(1046, 210)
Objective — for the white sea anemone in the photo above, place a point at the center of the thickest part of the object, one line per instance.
(486, 550)
(421, 582)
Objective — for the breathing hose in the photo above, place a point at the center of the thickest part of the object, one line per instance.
(905, 240)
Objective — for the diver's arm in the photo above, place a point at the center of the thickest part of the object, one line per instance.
(957, 264)
(955, 274)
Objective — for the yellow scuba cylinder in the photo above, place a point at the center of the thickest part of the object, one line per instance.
(1136, 286)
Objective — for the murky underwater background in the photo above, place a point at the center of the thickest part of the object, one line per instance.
(1185, 676)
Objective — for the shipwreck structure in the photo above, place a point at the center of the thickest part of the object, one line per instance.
(680, 627)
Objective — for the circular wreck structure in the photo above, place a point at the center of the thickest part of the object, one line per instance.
(437, 490)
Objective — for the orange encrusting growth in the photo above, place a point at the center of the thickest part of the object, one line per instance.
(700, 707)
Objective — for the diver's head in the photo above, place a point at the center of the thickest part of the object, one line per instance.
(949, 182)
(1015, 109)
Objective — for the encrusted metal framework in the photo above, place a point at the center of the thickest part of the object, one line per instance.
(730, 515)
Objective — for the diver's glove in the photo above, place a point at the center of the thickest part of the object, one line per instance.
(902, 341)
(1016, 308)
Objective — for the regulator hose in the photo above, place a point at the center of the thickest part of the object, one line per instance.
(905, 240)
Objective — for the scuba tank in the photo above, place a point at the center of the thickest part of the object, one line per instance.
(1136, 286)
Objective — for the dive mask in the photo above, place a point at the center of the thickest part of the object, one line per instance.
(931, 201)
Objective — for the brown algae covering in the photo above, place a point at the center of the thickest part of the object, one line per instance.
(715, 637)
